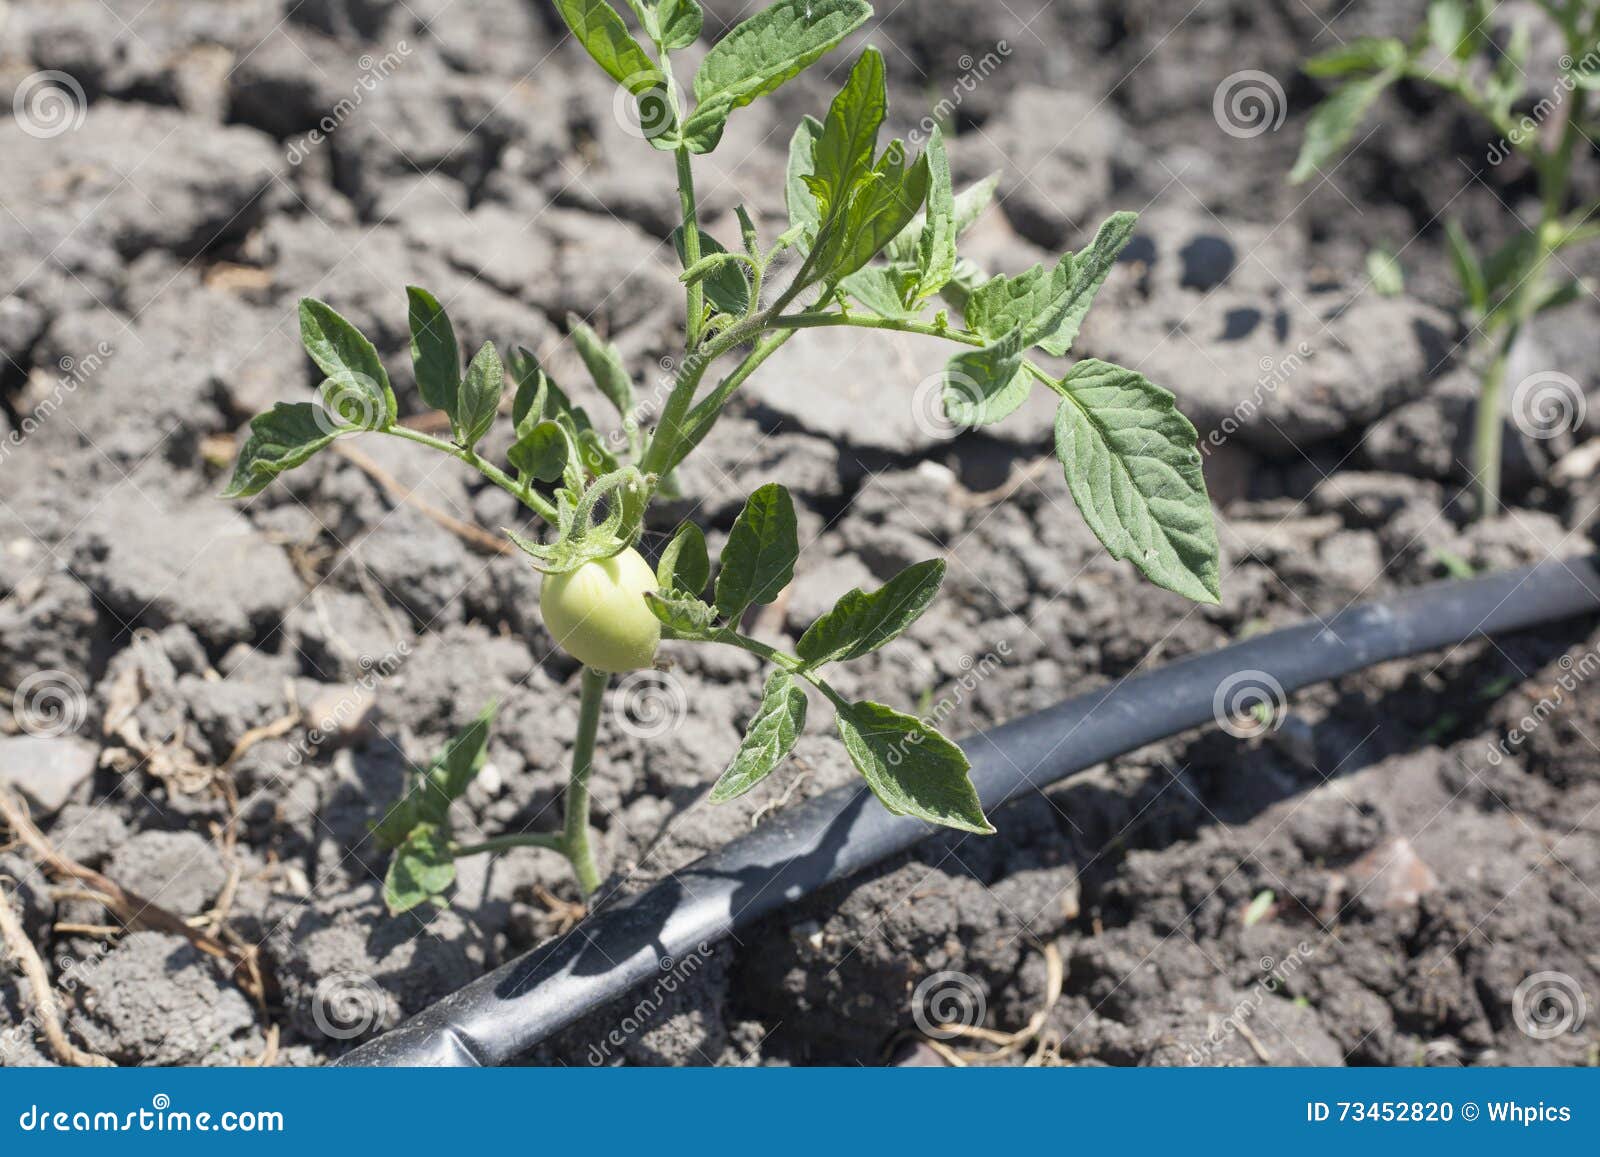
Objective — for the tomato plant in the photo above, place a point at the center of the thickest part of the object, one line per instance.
(871, 243)
(1454, 51)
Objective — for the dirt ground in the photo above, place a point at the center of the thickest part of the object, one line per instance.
(1379, 877)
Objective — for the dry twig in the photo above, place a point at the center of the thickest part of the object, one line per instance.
(42, 992)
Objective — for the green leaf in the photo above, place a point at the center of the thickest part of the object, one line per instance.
(280, 439)
(843, 153)
(1073, 286)
(435, 356)
(880, 289)
(361, 393)
(463, 756)
(1451, 31)
(761, 54)
(681, 21)
(758, 559)
(726, 287)
(480, 396)
(936, 247)
(860, 623)
(910, 767)
(880, 207)
(804, 214)
(687, 617)
(1003, 304)
(604, 363)
(1363, 54)
(541, 454)
(685, 566)
(970, 204)
(420, 871)
(1334, 122)
(983, 386)
(1468, 269)
(537, 396)
(768, 738)
(606, 38)
(1133, 468)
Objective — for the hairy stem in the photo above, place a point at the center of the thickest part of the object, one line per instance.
(867, 321)
(1487, 432)
(547, 840)
(575, 825)
(526, 495)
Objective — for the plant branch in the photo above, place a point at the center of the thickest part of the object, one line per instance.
(524, 494)
(551, 841)
(812, 320)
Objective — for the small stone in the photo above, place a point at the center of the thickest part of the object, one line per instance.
(1390, 877)
(48, 769)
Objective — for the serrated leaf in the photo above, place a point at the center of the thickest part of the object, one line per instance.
(1132, 465)
(1334, 122)
(758, 559)
(280, 439)
(983, 386)
(1363, 54)
(936, 246)
(541, 453)
(687, 617)
(420, 871)
(1073, 286)
(605, 365)
(860, 623)
(435, 355)
(596, 25)
(479, 400)
(685, 565)
(910, 767)
(360, 386)
(804, 214)
(768, 738)
(760, 55)
(1002, 304)
(726, 287)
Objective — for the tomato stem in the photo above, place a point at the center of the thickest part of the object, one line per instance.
(575, 826)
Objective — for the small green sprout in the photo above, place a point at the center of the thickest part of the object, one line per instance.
(1455, 52)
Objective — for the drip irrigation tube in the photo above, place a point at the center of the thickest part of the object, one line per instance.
(500, 1016)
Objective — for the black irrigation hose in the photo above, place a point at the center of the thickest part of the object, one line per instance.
(499, 1017)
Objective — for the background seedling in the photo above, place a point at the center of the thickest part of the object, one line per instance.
(871, 243)
(1455, 51)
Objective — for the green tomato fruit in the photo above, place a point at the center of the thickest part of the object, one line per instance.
(598, 615)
